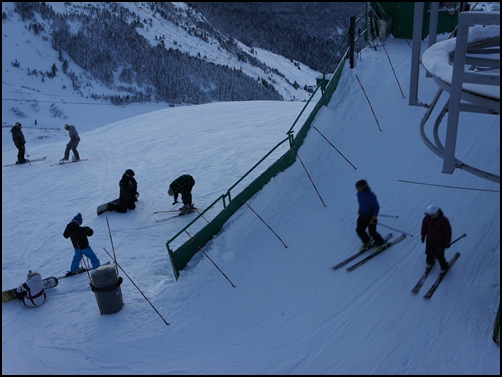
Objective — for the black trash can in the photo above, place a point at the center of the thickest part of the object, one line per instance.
(106, 284)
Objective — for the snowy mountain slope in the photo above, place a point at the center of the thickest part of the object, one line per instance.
(289, 312)
(49, 103)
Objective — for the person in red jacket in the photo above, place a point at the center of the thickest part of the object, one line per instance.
(436, 227)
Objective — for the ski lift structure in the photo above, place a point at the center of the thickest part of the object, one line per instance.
(467, 67)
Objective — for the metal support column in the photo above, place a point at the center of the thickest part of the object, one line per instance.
(416, 53)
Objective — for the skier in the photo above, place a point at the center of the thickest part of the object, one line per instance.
(72, 144)
(32, 292)
(128, 193)
(19, 142)
(436, 227)
(78, 236)
(183, 185)
(368, 217)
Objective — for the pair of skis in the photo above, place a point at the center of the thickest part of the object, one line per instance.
(171, 211)
(427, 271)
(28, 161)
(434, 286)
(80, 271)
(388, 244)
(422, 279)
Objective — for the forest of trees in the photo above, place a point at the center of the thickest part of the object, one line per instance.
(306, 32)
(107, 41)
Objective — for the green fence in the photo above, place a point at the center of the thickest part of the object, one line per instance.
(328, 84)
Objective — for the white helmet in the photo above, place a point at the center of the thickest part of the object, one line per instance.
(432, 210)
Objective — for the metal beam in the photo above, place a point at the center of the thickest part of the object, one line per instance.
(416, 54)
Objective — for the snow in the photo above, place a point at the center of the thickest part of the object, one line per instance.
(436, 60)
(289, 312)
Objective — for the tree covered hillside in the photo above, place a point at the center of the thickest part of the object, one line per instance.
(307, 32)
(145, 52)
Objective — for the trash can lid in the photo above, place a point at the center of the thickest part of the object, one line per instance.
(104, 275)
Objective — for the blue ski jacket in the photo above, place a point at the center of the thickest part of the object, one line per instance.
(368, 204)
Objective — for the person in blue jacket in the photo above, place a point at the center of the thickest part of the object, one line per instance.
(368, 215)
(78, 236)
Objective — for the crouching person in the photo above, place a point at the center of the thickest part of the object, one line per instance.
(32, 292)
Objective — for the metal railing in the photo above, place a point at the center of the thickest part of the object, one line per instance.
(230, 205)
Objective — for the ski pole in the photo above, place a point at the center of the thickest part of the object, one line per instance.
(388, 216)
(266, 224)
(139, 290)
(462, 236)
(82, 259)
(215, 265)
(334, 147)
(113, 248)
(386, 226)
(297, 155)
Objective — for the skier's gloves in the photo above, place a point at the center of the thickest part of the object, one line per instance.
(447, 246)
(423, 239)
(373, 220)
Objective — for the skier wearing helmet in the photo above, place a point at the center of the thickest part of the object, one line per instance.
(368, 217)
(436, 227)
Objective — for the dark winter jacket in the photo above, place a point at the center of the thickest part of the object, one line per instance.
(437, 228)
(78, 235)
(368, 203)
(18, 137)
(182, 185)
(73, 133)
(128, 188)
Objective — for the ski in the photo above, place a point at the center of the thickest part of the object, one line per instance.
(421, 282)
(432, 289)
(79, 271)
(374, 254)
(28, 161)
(172, 210)
(70, 162)
(172, 217)
(351, 258)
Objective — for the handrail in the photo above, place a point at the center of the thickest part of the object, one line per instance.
(301, 112)
(324, 72)
(289, 137)
(250, 170)
(194, 220)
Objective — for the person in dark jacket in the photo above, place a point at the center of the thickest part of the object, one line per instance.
(72, 144)
(437, 229)
(19, 142)
(78, 236)
(183, 185)
(128, 193)
(368, 215)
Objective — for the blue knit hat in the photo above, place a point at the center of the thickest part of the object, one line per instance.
(78, 219)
